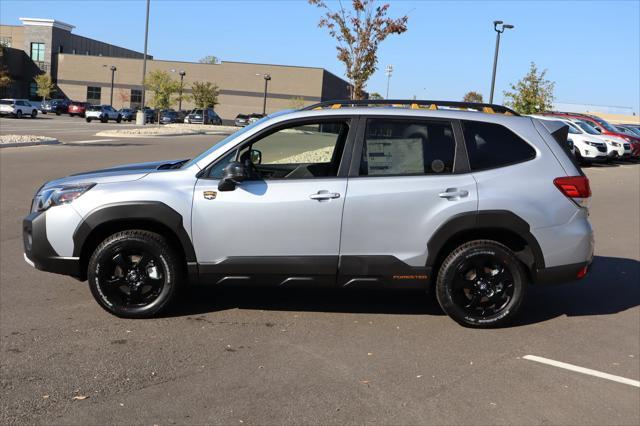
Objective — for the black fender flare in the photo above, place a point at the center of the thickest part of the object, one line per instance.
(482, 220)
(152, 211)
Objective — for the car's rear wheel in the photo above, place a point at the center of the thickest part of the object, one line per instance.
(70, 114)
(119, 119)
(34, 113)
(481, 284)
(19, 114)
(134, 274)
(88, 119)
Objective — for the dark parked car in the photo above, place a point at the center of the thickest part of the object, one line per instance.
(170, 116)
(57, 106)
(77, 108)
(241, 120)
(210, 117)
(127, 114)
(149, 115)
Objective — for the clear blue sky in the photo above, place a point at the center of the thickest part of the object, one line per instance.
(591, 48)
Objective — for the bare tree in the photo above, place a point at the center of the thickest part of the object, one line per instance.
(359, 32)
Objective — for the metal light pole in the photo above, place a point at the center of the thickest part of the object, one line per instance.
(182, 74)
(388, 70)
(499, 28)
(140, 117)
(266, 77)
(113, 73)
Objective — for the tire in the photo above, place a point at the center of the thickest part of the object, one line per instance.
(34, 113)
(44, 112)
(124, 288)
(119, 119)
(70, 114)
(88, 119)
(19, 114)
(104, 119)
(481, 284)
(58, 113)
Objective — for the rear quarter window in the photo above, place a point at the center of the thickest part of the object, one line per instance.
(490, 146)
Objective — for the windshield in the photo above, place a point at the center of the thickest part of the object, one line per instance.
(235, 135)
(604, 124)
(588, 128)
(635, 130)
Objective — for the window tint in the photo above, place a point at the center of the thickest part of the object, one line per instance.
(401, 147)
(298, 152)
(492, 145)
(93, 94)
(216, 170)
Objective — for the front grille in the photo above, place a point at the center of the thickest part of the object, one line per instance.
(627, 146)
(602, 148)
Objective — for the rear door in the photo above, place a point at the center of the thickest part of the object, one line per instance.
(408, 177)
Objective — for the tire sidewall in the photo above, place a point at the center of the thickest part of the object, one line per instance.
(107, 250)
(446, 276)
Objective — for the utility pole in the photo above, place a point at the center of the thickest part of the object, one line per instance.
(266, 77)
(182, 74)
(141, 117)
(499, 28)
(388, 70)
(113, 73)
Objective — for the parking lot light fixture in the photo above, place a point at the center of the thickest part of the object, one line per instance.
(499, 27)
(389, 71)
(266, 77)
(182, 74)
(113, 73)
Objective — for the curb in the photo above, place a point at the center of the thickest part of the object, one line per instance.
(25, 144)
(134, 135)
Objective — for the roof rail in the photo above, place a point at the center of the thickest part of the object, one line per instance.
(412, 104)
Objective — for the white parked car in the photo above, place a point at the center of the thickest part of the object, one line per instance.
(17, 108)
(103, 113)
(588, 148)
(616, 146)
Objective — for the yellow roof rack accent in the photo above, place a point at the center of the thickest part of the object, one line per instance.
(415, 106)
(433, 106)
(336, 106)
(488, 110)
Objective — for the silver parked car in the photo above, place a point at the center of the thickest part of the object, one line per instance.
(474, 206)
(103, 113)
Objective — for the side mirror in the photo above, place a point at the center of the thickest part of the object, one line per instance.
(232, 174)
(256, 156)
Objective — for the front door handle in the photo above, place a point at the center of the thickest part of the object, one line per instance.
(324, 195)
(453, 193)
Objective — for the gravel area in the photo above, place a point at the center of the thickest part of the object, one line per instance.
(7, 141)
(175, 129)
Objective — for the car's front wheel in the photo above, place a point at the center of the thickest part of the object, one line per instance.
(134, 274)
(119, 119)
(481, 284)
(19, 114)
(88, 119)
(34, 113)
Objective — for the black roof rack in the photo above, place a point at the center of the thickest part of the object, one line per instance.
(413, 104)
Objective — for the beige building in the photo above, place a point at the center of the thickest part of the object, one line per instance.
(81, 68)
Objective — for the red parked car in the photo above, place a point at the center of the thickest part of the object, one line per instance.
(604, 127)
(77, 108)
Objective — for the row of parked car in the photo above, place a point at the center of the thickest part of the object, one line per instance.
(593, 139)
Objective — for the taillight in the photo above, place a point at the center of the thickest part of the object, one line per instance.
(574, 187)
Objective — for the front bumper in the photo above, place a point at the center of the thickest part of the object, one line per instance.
(38, 251)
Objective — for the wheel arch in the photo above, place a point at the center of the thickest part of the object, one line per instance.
(146, 215)
(499, 225)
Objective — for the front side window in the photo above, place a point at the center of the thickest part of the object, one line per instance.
(93, 94)
(403, 147)
(305, 151)
(492, 145)
(37, 52)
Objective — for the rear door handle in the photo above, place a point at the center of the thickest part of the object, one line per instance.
(453, 193)
(324, 195)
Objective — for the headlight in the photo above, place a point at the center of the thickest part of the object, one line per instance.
(592, 143)
(58, 195)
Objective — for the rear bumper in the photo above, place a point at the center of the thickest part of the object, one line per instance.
(561, 274)
(38, 251)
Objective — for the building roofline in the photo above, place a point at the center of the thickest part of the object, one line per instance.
(43, 22)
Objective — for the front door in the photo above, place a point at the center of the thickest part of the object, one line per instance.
(282, 227)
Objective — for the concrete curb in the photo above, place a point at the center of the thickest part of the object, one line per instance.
(137, 135)
(25, 144)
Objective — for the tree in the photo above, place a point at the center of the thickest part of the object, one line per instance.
(123, 96)
(297, 103)
(532, 94)
(375, 96)
(45, 85)
(359, 33)
(209, 59)
(163, 87)
(204, 94)
(5, 76)
(473, 97)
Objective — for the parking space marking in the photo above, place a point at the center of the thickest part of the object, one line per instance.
(92, 141)
(583, 370)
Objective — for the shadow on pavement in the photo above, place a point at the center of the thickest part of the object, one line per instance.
(613, 285)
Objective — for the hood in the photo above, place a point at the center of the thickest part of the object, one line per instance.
(124, 173)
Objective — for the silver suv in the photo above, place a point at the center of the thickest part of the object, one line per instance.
(411, 195)
(103, 113)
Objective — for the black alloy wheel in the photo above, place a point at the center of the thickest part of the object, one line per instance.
(481, 284)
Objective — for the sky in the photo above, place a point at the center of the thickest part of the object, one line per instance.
(591, 49)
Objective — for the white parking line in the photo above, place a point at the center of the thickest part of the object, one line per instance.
(91, 141)
(583, 370)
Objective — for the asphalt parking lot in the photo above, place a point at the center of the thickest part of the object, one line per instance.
(306, 357)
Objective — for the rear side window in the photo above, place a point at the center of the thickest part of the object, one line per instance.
(491, 145)
(403, 147)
